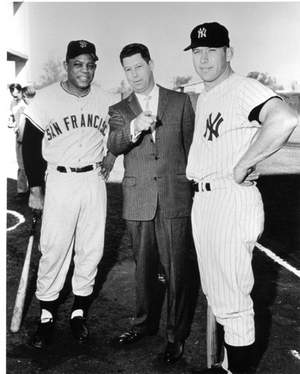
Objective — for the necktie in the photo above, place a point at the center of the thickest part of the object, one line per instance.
(147, 108)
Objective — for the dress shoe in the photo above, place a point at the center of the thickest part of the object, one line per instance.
(213, 370)
(43, 336)
(173, 352)
(79, 329)
(129, 337)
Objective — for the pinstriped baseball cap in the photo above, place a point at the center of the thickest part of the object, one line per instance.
(211, 34)
(80, 47)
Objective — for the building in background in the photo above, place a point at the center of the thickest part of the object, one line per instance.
(17, 48)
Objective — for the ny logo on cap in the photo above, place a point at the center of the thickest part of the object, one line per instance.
(202, 33)
(83, 43)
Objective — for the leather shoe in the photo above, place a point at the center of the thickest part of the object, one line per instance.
(129, 337)
(43, 336)
(173, 352)
(79, 329)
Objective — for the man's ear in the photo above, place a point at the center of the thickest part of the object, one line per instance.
(229, 54)
(151, 64)
(65, 65)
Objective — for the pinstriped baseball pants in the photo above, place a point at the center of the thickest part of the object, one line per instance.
(226, 223)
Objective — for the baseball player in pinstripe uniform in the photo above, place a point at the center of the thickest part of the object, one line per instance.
(153, 128)
(239, 122)
(69, 120)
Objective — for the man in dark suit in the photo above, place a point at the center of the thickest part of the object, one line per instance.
(153, 128)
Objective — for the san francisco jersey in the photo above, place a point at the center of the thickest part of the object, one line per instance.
(223, 131)
(75, 128)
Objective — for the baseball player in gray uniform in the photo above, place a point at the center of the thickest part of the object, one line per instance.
(239, 122)
(68, 121)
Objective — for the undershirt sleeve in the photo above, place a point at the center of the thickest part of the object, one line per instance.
(254, 114)
(34, 164)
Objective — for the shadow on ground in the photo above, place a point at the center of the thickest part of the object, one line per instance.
(275, 294)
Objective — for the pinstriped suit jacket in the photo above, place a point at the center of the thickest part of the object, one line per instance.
(154, 171)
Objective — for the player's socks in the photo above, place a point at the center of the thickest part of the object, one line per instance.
(46, 316)
(240, 359)
(48, 310)
(77, 313)
(82, 303)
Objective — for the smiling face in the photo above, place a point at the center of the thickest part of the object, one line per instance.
(212, 64)
(139, 73)
(81, 71)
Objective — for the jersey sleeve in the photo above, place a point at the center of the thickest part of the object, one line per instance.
(252, 94)
(36, 112)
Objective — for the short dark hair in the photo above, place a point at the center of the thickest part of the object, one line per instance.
(12, 86)
(28, 91)
(133, 49)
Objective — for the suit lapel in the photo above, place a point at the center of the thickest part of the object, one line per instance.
(162, 103)
(134, 104)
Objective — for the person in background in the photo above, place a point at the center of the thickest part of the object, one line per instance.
(15, 90)
(28, 93)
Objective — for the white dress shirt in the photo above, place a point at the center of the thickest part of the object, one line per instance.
(147, 102)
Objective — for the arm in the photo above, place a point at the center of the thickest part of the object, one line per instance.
(34, 163)
(188, 121)
(278, 121)
(107, 164)
(120, 139)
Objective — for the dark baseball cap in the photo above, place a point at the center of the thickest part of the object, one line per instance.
(211, 34)
(79, 47)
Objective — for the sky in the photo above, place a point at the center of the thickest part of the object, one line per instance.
(264, 35)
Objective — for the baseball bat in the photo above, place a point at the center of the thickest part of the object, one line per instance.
(21, 293)
(211, 338)
(215, 352)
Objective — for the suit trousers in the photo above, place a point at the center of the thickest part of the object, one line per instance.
(164, 245)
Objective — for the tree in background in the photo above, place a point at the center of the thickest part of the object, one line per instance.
(123, 90)
(265, 79)
(295, 86)
(179, 81)
(53, 72)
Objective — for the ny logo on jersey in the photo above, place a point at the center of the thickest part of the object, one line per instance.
(212, 126)
(202, 33)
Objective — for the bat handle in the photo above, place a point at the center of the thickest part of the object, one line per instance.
(36, 215)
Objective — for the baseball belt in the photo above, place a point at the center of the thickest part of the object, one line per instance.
(64, 169)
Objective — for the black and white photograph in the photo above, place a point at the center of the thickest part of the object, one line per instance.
(151, 174)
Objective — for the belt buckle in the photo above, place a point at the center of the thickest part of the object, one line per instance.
(205, 186)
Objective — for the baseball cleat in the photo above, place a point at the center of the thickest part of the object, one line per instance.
(43, 336)
(79, 329)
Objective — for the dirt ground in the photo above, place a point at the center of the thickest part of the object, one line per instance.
(276, 297)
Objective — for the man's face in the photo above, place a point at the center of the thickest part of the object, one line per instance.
(16, 94)
(81, 71)
(211, 63)
(139, 73)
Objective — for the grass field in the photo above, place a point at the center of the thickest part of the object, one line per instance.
(276, 296)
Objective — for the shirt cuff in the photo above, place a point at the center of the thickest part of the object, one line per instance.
(134, 135)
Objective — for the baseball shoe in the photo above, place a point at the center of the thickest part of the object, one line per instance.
(43, 336)
(173, 352)
(79, 329)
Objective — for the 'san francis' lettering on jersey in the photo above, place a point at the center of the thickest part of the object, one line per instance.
(74, 122)
(212, 126)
